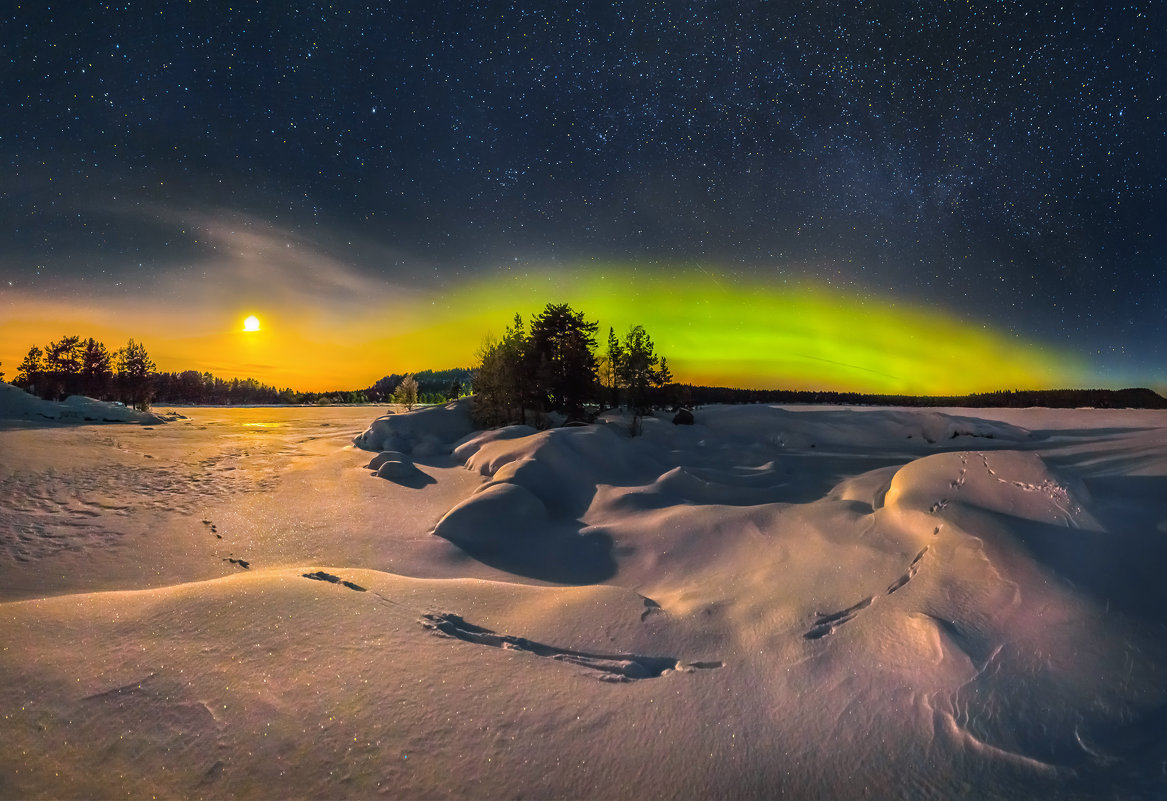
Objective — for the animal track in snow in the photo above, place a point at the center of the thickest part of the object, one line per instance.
(651, 607)
(826, 624)
(958, 482)
(611, 667)
(913, 568)
(1058, 495)
(320, 575)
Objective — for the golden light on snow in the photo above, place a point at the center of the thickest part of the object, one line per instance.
(251, 323)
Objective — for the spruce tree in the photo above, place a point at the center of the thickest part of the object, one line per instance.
(406, 392)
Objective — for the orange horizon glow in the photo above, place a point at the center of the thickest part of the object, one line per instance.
(348, 331)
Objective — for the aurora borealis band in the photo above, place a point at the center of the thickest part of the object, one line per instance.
(882, 197)
(714, 331)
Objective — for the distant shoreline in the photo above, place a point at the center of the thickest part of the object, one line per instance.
(1133, 398)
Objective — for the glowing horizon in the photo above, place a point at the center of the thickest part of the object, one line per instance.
(756, 334)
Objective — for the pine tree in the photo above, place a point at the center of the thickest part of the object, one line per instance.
(560, 359)
(62, 365)
(134, 369)
(501, 380)
(638, 369)
(640, 372)
(96, 368)
(29, 372)
(615, 358)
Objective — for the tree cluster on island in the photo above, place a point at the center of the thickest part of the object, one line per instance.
(73, 366)
(553, 366)
(76, 366)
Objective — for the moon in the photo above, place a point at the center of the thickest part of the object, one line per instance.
(251, 323)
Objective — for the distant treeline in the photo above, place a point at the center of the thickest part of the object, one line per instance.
(76, 366)
(1013, 399)
(73, 365)
(193, 388)
(433, 386)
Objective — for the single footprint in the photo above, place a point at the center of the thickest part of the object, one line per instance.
(650, 607)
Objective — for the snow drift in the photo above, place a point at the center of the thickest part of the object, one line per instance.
(16, 404)
(429, 431)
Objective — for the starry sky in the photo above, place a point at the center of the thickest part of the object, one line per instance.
(883, 196)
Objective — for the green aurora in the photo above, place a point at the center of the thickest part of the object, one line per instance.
(765, 335)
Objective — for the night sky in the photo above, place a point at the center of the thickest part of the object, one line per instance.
(926, 196)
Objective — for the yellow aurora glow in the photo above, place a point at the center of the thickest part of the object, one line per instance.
(713, 330)
(725, 332)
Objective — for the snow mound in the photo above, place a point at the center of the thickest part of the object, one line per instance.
(16, 404)
(563, 466)
(849, 427)
(692, 486)
(385, 456)
(1011, 483)
(470, 444)
(396, 469)
(733, 455)
(494, 515)
(430, 431)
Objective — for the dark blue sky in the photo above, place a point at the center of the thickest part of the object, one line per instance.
(1005, 160)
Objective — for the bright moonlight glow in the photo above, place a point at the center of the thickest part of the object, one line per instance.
(251, 323)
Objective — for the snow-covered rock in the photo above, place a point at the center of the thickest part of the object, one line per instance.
(16, 404)
(430, 431)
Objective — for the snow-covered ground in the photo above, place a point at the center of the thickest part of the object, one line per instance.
(799, 602)
(17, 406)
